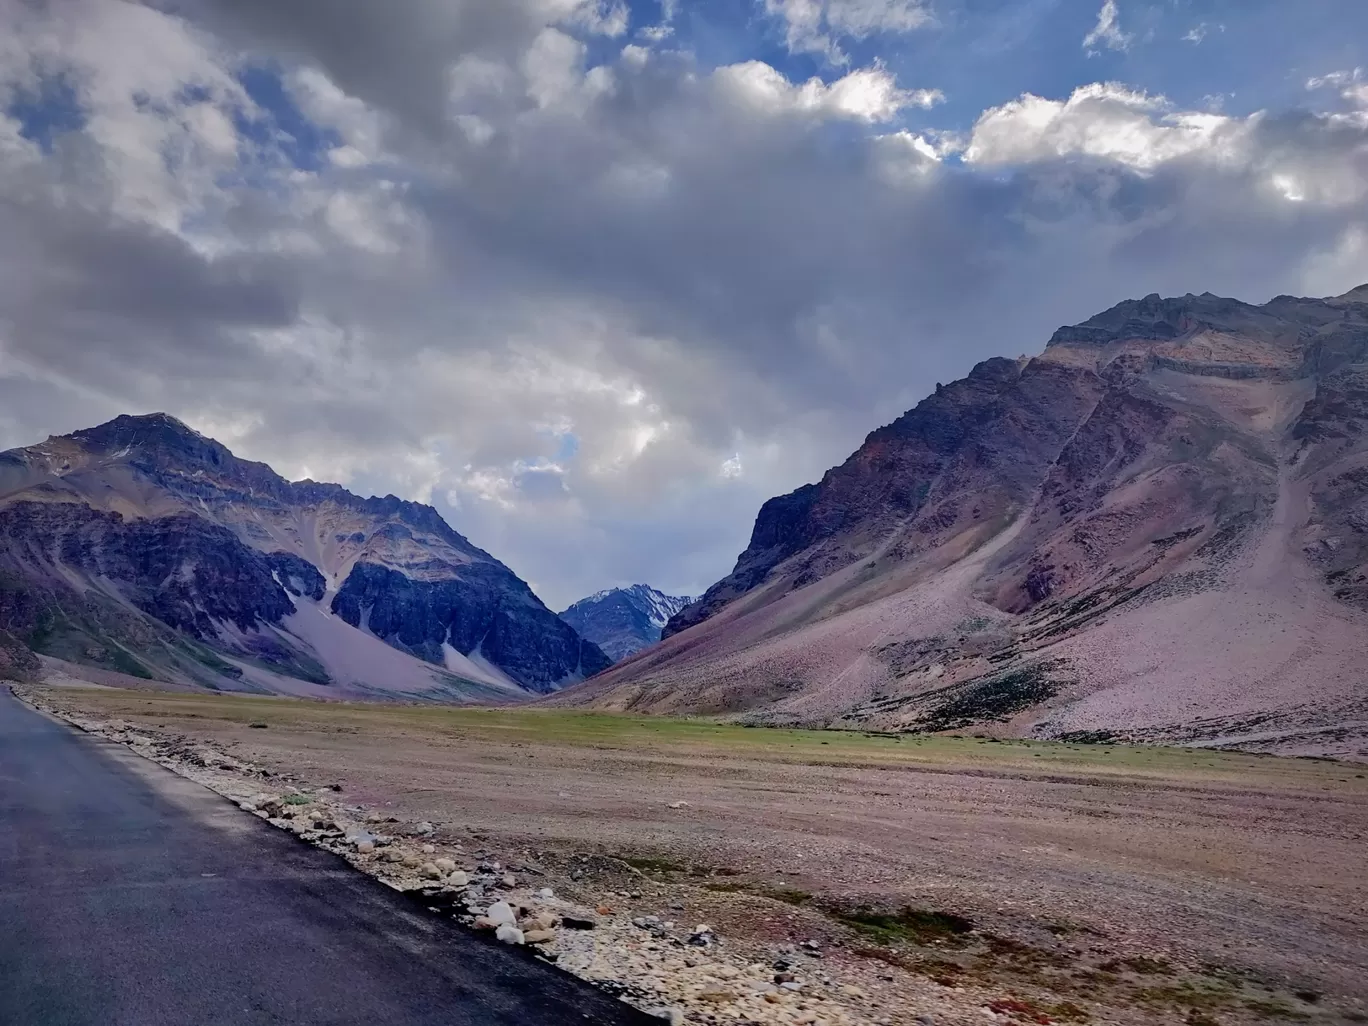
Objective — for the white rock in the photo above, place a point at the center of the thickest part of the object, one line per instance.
(509, 934)
(445, 865)
(501, 912)
(546, 893)
(458, 879)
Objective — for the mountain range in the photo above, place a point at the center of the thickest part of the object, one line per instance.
(1155, 530)
(624, 620)
(147, 549)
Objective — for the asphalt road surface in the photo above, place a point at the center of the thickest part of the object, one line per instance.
(130, 896)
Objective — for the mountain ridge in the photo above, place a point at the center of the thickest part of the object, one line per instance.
(622, 621)
(139, 489)
(1170, 471)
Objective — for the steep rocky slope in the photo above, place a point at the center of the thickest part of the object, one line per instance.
(145, 547)
(1157, 528)
(624, 620)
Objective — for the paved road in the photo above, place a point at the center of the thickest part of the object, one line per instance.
(132, 897)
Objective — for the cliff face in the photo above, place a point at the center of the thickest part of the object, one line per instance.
(966, 457)
(480, 612)
(1064, 543)
(139, 537)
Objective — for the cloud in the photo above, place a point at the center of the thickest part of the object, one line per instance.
(819, 26)
(429, 246)
(870, 95)
(1104, 120)
(1107, 32)
(1351, 85)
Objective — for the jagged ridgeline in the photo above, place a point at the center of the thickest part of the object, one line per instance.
(623, 621)
(144, 548)
(1155, 529)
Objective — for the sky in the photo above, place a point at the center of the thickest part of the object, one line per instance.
(595, 277)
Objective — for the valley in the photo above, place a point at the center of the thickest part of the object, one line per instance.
(1101, 883)
(1154, 531)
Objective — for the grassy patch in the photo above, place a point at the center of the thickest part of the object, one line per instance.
(910, 926)
(662, 735)
(788, 895)
(995, 698)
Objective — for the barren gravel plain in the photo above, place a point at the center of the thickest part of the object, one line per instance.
(935, 879)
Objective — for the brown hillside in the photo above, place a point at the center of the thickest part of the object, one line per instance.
(1157, 528)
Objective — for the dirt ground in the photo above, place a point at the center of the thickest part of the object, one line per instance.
(1076, 882)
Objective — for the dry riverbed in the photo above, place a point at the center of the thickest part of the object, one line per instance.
(718, 874)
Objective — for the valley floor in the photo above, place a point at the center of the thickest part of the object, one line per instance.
(959, 879)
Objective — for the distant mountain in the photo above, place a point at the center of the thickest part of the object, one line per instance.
(145, 547)
(1157, 529)
(624, 620)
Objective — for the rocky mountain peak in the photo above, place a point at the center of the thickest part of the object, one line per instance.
(153, 431)
(309, 580)
(622, 621)
(1158, 526)
(1158, 319)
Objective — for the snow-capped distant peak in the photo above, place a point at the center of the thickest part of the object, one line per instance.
(623, 620)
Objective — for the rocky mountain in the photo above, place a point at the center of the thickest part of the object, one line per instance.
(1156, 529)
(624, 620)
(143, 547)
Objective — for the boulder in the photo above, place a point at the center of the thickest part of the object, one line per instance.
(501, 912)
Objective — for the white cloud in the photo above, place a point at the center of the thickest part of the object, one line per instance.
(818, 26)
(1107, 32)
(358, 125)
(157, 97)
(1351, 86)
(871, 94)
(602, 17)
(1104, 120)
(572, 302)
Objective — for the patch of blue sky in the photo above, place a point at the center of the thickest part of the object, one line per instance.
(1235, 55)
(282, 126)
(567, 447)
(47, 112)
